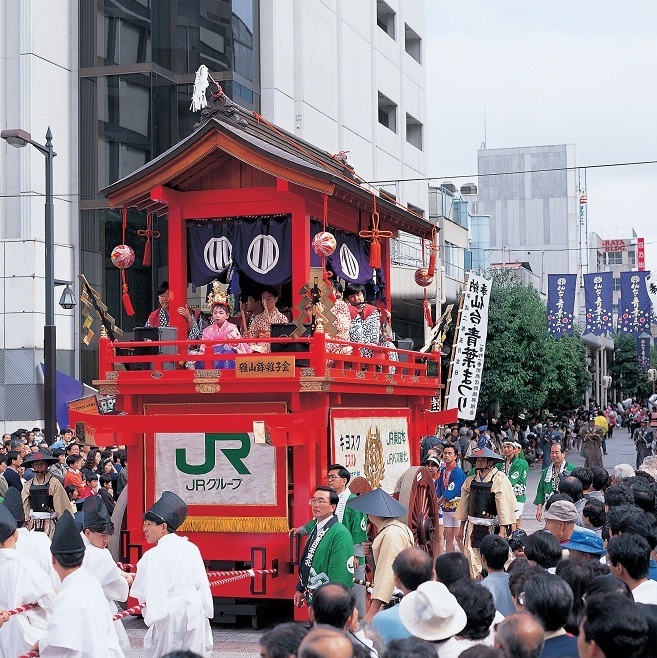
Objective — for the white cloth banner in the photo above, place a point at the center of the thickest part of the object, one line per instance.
(375, 448)
(470, 347)
(215, 469)
(651, 285)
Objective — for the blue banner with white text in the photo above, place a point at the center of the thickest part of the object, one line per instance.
(634, 304)
(599, 302)
(561, 304)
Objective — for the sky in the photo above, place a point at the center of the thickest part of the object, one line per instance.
(529, 73)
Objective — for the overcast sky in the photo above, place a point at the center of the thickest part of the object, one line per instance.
(580, 72)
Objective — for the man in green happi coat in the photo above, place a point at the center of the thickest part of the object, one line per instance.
(517, 470)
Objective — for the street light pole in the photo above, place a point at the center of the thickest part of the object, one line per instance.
(20, 138)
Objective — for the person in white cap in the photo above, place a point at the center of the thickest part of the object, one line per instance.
(432, 613)
(171, 580)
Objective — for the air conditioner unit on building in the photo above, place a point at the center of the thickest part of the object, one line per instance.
(606, 381)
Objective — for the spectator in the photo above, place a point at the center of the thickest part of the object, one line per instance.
(560, 520)
(578, 574)
(644, 497)
(549, 599)
(542, 549)
(59, 469)
(494, 555)
(519, 636)
(106, 493)
(599, 483)
(477, 603)
(517, 541)
(584, 544)
(618, 494)
(482, 651)
(334, 605)
(608, 585)
(585, 476)
(593, 515)
(572, 487)
(410, 647)
(432, 613)
(122, 478)
(620, 473)
(411, 568)
(282, 641)
(629, 560)
(605, 632)
(13, 461)
(74, 474)
(451, 567)
(325, 641)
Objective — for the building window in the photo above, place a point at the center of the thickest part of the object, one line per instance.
(385, 18)
(614, 258)
(631, 257)
(387, 113)
(413, 132)
(454, 261)
(617, 284)
(413, 44)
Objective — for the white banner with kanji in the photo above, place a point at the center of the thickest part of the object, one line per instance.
(470, 347)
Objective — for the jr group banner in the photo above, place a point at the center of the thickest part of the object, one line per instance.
(599, 301)
(469, 348)
(561, 304)
(634, 304)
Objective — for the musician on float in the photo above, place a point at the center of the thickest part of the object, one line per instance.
(487, 501)
(160, 316)
(221, 329)
(365, 318)
(261, 325)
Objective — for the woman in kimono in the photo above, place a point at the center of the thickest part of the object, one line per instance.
(261, 325)
(221, 329)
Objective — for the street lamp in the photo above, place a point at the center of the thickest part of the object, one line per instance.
(19, 139)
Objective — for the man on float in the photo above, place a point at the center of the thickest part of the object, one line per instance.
(487, 501)
(173, 583)
(365, 318)
(44, 497)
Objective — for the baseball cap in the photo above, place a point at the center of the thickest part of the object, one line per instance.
(561, 510)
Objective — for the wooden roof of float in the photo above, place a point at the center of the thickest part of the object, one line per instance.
(228, 132)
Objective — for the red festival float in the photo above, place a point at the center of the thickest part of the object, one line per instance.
(245, 443)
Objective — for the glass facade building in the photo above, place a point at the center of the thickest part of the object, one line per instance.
(137, 64)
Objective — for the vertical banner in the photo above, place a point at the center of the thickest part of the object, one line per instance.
(561, 304)
(641, 254)
(634, 304)
(470, 347)
(643, 352)
(599, 301)
(651, 287)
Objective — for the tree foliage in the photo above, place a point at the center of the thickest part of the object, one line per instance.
(525, 368)
(628, 379)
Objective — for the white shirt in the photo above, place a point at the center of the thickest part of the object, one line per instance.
(646, 592)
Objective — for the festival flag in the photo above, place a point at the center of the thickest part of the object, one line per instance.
(469, 348)
(643, 352)
(651, 287)
(599, 302)
(634, 304)
(561, 304)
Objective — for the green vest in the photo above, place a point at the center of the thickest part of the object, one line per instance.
(518, 472)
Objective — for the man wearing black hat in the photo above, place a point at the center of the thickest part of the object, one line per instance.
(80, 596)
(171, 580)
(392, 538)
(44, 497)
(643, 439)
(97, 530)
(30, 544)
(22, 582)
(487, 501)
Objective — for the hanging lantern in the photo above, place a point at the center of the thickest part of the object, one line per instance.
(122, 256)
(324, 244)
(423, 277)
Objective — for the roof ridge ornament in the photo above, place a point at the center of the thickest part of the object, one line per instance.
(221, 104)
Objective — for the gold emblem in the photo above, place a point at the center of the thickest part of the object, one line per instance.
(374, 466)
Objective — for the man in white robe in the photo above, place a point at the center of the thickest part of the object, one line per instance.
(97, 530)
(31, 544)
(171, 580)
(21, 582)
(80, 599)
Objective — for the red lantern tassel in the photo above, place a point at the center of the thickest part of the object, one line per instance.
(146, 260)
(427, 311)
(125, 297)
(375, 254)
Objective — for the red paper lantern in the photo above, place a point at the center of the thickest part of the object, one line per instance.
(324, 243)
(122, 256)
(423, 277)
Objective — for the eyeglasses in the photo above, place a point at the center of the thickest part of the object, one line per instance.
(318, 501)
(334, 477)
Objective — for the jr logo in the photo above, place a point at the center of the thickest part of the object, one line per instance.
(233, 455)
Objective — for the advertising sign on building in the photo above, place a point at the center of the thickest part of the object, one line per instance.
(640, 254)
(374, 447)
(614, 245)
(469, 348)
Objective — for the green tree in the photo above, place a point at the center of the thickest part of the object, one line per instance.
(516, 371)
(568, 377)
(627, 378)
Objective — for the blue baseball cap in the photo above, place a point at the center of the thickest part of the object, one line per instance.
(483, 428)
(585, 541)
